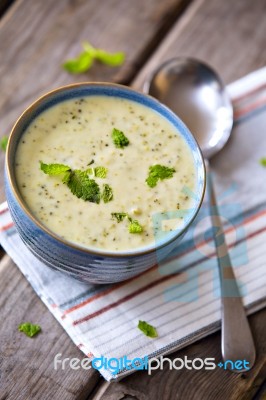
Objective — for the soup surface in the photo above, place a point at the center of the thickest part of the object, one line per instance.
(80, 134)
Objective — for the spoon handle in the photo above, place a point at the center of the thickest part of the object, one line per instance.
(237, 341)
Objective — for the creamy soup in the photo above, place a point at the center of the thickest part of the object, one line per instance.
(78, 133)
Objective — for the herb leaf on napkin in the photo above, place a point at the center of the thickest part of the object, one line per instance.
(263, 161)
(147, 329)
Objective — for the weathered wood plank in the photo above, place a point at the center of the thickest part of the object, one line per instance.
(228, 35)
(4, 4)
(261, 393)
(194, 384)
(37, 36)
(2, 252)
(26, 365)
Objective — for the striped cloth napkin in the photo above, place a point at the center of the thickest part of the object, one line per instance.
(181, 296)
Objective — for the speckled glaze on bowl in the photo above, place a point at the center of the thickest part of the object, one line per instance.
(82, 263)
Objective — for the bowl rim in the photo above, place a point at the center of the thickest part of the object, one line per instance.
(76, 246)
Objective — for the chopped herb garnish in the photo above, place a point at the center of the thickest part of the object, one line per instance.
(83, 187)
(157, 172)
(29, 329)
(147, 329)
(111, 59)
(80, 64)
(134, 225)
(119, 139)
(54, 169)
(78, 181)
(107, 194)
(263, 161)
(119, 216)
(66, 177)
(98, 172)
(85, 59)
(3, 143)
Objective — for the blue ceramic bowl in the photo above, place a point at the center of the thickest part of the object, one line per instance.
(84, 263)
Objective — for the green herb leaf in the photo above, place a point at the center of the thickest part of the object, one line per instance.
(157, 172)
(107, 194)
(263, 161)
(29, 329)
(152, 181)
(147, 329)
(80, 64)
(85, 59)
(111, 59)
(83, 187)
(3, 142)
(54, 169)
(119, 216)
(101, 172)
(77, 181)
(98, 172)
(135, 227)
(66, 177)
(119, 139)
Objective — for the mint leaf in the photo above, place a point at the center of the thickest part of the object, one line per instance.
(54, 169)
(29, 329)
(152, 181)
(111, 59)
(3, 142)
(119, 139)
(147, 329)
(107, 194)
(83, 187)
(77, 181)
(98, 172)
(83, 62)
(80, 64)
(157, 172)
(263, 161)
(66, 177)
(135, 227)
(119, 216)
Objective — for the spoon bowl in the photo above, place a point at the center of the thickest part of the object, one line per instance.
(197, 95)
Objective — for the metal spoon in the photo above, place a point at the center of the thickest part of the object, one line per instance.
(197, 95)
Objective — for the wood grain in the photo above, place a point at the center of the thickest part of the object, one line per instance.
(26, 365)
(37, 36)
(4, 4)
(230, 36)
(194, 384)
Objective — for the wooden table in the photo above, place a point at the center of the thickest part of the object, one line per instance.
(36, 36)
